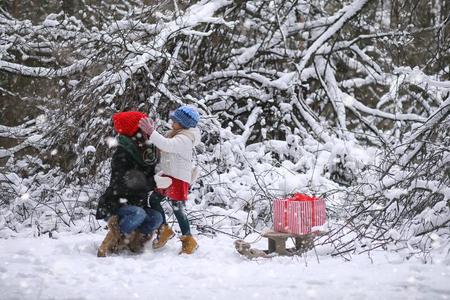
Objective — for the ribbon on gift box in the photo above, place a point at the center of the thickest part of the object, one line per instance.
(303, 197)
(285, 211)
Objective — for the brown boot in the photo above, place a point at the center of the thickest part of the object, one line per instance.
(121, 245)
(138, 241)
(112, 238)
(189, 245)
(126, 240)
(165, 233)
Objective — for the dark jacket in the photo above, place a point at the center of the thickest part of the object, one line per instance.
(131, 179)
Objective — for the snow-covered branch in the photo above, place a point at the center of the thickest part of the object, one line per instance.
(345, 14)
(77, 67)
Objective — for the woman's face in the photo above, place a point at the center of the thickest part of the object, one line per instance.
(176, 126)
(142, 135)
(140, 138)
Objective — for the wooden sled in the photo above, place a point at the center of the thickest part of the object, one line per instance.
(277, 245)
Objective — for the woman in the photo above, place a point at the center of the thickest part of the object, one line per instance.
(176, 149)
(124, 203)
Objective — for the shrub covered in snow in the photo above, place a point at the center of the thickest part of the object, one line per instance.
(295, 96)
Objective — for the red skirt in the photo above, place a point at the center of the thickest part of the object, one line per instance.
(177, 191)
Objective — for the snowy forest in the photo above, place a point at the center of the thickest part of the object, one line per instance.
(345, 100)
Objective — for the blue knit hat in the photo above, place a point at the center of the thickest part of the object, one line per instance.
(186, 116)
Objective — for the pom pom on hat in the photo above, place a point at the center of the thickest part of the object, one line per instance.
(186, 116)
(127, 122)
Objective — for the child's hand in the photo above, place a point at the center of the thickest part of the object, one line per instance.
(147, 126)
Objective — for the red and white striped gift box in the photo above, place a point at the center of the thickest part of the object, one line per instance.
(298, 214)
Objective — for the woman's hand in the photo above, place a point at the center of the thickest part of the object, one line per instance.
(147, 126)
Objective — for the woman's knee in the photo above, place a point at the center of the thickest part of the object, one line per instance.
(158, 219)
(137, 213)
(155, 216)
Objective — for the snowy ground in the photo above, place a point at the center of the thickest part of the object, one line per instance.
(67, 268)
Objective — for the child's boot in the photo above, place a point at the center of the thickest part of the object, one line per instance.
(189, 245)
(165, 233)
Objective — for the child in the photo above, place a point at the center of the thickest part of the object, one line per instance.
(124, 203)
(175, 163)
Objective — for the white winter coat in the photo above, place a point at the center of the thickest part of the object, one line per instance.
(176, 152)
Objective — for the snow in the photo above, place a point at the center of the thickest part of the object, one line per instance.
(111, 142)
(293, 183)
(368, 110)
(416, 76)
(282, 83)
(66, 267)
(4, 153)
(394, 193)
(34, 138)
(246, 54)
(25, 197)
(89, 149)
(50, 23)
(347, 100)
(45, 72)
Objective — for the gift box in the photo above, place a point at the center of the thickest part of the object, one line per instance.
(298, 214)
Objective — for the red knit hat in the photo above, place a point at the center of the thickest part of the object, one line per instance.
(127, 122)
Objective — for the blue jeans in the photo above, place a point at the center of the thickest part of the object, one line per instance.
(143, 219)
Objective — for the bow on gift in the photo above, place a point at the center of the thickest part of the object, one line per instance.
(302, 197)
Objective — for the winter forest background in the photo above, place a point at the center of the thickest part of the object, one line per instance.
(345, 100)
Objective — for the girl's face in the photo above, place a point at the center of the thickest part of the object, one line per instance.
(176, 126)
